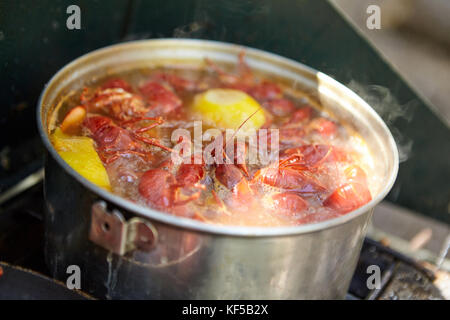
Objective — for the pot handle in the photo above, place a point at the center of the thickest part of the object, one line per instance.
(111, 231)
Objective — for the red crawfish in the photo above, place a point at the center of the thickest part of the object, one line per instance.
(171, 187)
(113, 141)
(114, 100)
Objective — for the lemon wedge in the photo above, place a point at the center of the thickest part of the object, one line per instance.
(80, 154)
(228, 109)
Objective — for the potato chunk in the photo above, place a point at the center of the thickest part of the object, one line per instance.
(73, 120)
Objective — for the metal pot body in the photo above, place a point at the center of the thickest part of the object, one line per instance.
(179, 259)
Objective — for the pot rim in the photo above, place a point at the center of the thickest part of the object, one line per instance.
(199, 226)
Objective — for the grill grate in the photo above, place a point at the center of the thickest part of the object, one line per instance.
(401, 276)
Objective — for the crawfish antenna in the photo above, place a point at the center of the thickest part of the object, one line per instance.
(242, 124)
(236, 131)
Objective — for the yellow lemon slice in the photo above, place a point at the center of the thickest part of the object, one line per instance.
(229, 108)
(80, 154)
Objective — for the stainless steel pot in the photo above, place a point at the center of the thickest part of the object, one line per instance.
(128, 251)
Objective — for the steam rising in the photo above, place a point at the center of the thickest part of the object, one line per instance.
(386, 105)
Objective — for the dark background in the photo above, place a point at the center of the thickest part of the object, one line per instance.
(35, 43)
